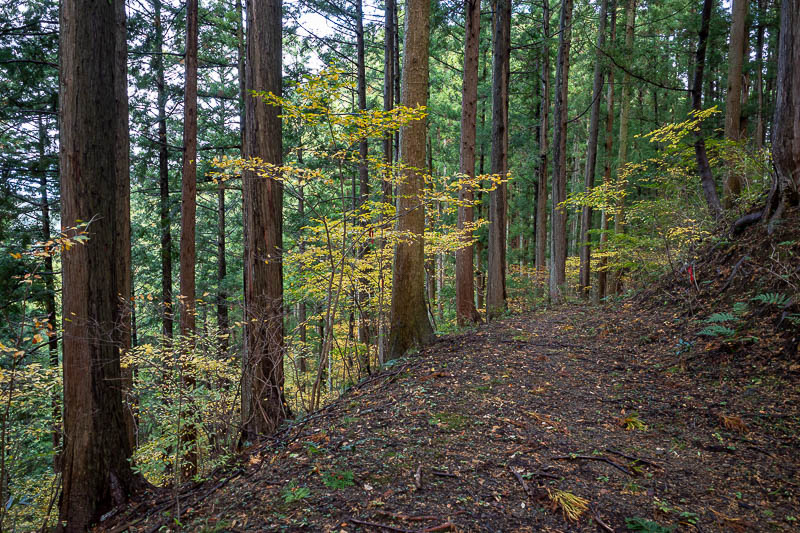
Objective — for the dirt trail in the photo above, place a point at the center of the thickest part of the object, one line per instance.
(481, 431)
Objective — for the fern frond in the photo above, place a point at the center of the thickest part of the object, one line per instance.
(772, 298)
(720, 317)
(715, 330)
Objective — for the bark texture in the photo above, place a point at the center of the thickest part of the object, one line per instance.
(558, 242)
(496, 264)
(264, 407)
(189, 176)
(163, 177)
(188, 254)
(388, 93)
(541, 186)
(706, 177)
(786, 123)
(602, 273)
(624, 116)
(591, 154)
(94, 171)
(465, 286)
(733, 102)
(410, 325)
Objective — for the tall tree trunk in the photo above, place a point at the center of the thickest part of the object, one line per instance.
(50, 291)
(361, 89)
(733, 102)
(388, 93)
(188, 225)
(465, 288)
(410, 325)
(430, 261)
(122, 235)
(302, 306)
(266, 407)
(222, 272)
(786, 124)
(223, 325)
(543, 132)
(624, 115)
(397, 74)
(602, 272)
(558, 248)
(706, 177)
(387, 180)
(363, 174)
(163, 177)
(760, 77)
(479, 270)
(496, 268)
(624, 120)
(242, 75)
(97, 471)
(591, 154)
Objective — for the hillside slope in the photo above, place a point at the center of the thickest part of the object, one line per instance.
(627, 409)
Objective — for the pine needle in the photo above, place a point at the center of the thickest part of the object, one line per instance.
(572, 506)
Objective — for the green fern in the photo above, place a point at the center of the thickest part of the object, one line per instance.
(720, 317)
(772, 298)
(292, 493)
(740, 308)
(647, 526)
(715, 330)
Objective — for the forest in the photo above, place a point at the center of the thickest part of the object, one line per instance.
(246, 232)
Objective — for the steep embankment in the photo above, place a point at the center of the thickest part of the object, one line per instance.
(482, 432)
(677, 408)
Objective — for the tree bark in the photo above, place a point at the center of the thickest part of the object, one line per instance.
(786, 123)
(97, 471)
(361, 89)
(465, 288)
(541, 186)
(163, 178)
(558, 248)
(706, 177)
(362, 295)
(624, 114)
(188, 226)
(410, 326)
(759, 137)
(265, 408)
(222, 272)
(50, 291)
(302, 311)
(733, 102)
(388, 94)
(591, 154)
(496, 267)
(624, 120)
(602, 272)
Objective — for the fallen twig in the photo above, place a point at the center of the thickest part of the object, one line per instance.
(443, 473)
(600, 522)
(382, 526)
(447, 526)
(594, 458)
(634, 459)
(398, 516)
(521, 481)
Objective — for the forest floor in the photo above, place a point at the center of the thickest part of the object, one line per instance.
(675, 410)
(482, 431)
